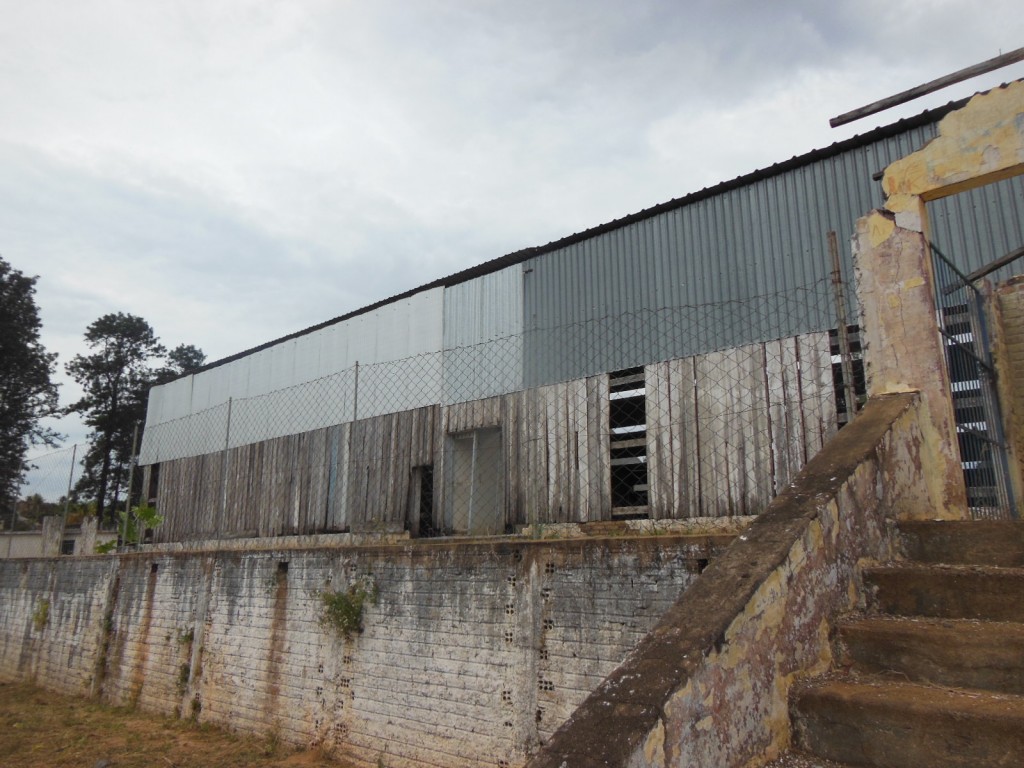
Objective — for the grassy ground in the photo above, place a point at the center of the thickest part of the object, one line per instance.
(41, 729)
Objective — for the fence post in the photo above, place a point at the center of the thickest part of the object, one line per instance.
(225, 457)
(67, 496)
(355, 395)
(128, 495)
(845, 355)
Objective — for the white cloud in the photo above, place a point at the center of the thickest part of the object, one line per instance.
(235, 170)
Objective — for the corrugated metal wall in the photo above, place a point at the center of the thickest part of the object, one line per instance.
(745, 265)
(976, 227)
(304, 383)
(758, 252)
(483, 336)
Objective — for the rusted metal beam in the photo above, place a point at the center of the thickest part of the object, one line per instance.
(909, 95)
(999, 263)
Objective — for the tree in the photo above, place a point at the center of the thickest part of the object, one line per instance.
(27, 391)
(116, 379)
(181, 360)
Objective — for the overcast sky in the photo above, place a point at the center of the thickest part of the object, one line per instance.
(236, 171)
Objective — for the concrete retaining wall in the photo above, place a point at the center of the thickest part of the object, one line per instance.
(472, 654)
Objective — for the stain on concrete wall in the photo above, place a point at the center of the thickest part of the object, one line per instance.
(470, 653)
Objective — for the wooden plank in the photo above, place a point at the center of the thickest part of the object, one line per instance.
(685, 438)
(535, 432)
(795, 443)
(817, 394)
(713, 376)
(598, 409)
(661, 492)
(778, 421)
(758, 467)
(574, 418)
(938, 83)
(337, 504)
(356, 476)
(514, 507)
(558, 479)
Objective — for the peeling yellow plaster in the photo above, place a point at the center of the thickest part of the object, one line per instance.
(880, 228)
(913, 282)
(654, 746)
(978, 144)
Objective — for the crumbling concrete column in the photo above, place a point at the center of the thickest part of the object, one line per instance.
(53, 535)
(1007, 324)
(87, 538)
(903, 352)
(976, 145)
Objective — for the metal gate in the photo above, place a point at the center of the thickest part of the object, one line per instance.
(972, 376)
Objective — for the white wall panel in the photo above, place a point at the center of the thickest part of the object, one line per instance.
(304, 383)
(483, 342)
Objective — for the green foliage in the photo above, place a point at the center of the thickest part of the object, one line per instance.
(343, 611)
(184, 675)
(41, 615)
(27, 391)
(115, 379)
(132, 527)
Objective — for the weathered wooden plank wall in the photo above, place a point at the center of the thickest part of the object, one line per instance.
(725, 432)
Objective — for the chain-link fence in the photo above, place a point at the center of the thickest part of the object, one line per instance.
(47, 489)
(696, 411)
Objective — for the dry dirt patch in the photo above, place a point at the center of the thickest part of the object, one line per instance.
(40, 729)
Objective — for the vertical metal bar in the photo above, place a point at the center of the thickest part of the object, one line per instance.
(131, 476)
(990, 399)
(67, 496)
(224, 474)
(967, 361)
(845, 355)
(355, 395)
(472, 484)
(128, 496)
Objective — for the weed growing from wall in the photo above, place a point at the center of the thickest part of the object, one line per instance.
(41, 615)
(343, 611)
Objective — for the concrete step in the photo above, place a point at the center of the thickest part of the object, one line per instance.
(952, 592)
(959, 653)
(978, 542)
(905, 725)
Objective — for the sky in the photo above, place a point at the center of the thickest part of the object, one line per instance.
(237, 170)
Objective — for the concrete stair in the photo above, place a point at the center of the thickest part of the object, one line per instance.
(934, 676)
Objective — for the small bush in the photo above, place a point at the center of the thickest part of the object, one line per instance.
(343, 611)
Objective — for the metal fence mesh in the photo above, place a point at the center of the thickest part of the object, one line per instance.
(635, 415)
(632, 415)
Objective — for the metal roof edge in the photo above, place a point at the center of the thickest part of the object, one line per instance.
(517, 257)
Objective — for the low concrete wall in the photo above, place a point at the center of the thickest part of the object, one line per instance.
(709, 686)
(47, 542)
(473, 653)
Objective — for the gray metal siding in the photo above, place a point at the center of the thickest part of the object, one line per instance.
(483, 344)
(976, 227)
(747, 265)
